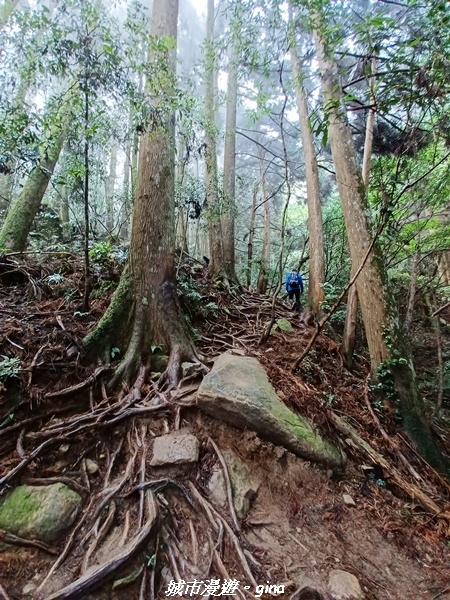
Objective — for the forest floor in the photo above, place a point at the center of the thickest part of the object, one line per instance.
(55, 413)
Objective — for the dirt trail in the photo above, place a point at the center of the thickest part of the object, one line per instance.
(299, 522)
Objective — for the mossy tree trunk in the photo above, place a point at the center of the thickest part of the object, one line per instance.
(145, 310)
(21, 214)
(315, 225)
(387, 346)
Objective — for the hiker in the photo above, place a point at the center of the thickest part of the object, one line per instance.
(294, 287)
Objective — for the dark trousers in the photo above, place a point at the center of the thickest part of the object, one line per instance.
(295, 293)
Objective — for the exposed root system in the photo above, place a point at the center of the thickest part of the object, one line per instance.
(142, 526)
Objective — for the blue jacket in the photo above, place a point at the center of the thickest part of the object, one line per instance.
(290, 288)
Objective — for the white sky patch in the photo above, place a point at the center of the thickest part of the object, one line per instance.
(200, 7)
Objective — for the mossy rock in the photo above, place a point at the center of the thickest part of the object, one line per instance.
(284, 325)
(237, 391)
(39, 512)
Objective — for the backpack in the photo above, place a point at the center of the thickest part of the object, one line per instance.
(294, 280)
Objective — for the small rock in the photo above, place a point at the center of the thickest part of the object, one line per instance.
(64, 448)
(39, 512)
(348, 500)
(175, 449)
(280, 453)
(243, 483)
(344, 586)
(29, 588)
(188, 368)
(91, 466)
(236, 351)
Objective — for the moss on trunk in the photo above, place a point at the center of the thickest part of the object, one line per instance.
(145, 310)
(112, 329)
(21, 214)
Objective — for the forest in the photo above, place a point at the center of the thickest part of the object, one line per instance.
(173, 420)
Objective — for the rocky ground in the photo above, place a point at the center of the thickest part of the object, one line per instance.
(107, 496)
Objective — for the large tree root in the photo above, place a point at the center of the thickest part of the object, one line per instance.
(94, 579)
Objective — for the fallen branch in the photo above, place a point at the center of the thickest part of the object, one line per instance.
(97, 576)
(409, 489)
(392, 443)
(14, 540)
(25, 461)
(3, 593)
(439, 310)
(70, 483)
(80, 386)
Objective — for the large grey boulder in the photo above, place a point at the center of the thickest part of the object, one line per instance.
(238, 392)
(39, 512)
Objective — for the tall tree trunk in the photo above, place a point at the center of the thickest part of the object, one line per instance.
(125, 208)
(387, 346)
(443, 263)
(87, 278)
(251, 233)
(315, 225)
(21, 214)
(145, 310)
(212, 196)
(413, 283)
(182, 209)
(110, 185)
(64, 212)
(263, 277)
(28, 74)
(351, 313)
(229, 169)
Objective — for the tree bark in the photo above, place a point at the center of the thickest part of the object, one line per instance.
(263, 277)
(315, 225)
(21, 214)
(182, 213)
(110, 185)
(125, 208)
(351, 313)
(212, 196)
(229, 169)
(145, 310)
(387, 346)
(251, 233)
(413, 284)
(64, 212)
